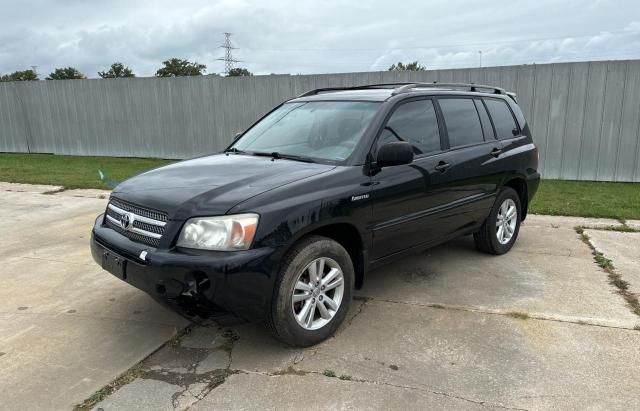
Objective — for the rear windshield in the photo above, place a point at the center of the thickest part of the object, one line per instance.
(328, 130)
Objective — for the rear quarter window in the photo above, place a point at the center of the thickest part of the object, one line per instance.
(487, 128)
(462, 121)
(502, 117)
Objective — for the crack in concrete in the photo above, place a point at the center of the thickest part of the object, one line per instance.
(615, 278)
(54, 191)
(508, 313)
(302, 373)
(221, 373)
(364, 300)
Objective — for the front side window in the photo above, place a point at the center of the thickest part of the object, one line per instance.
(462, 121)
(327, 130)
(414, 122)
(503, 120)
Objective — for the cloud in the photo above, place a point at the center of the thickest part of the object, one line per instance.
(285, 36)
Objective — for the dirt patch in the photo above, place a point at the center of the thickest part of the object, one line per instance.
(418, 275)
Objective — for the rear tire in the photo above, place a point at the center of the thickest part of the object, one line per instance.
(313, 292)
(500, 230)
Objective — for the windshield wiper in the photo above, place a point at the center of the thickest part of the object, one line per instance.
(276, 155)
(234, 150)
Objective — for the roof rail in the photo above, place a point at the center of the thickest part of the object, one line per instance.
(362, 87)
(400, 88)
(469, 86)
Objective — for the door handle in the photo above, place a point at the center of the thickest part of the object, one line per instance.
(496, 152)
(442, 166)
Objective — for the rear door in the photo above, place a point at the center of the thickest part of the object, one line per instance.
(516, 147)
(473, 171)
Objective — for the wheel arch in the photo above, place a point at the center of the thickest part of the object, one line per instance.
(519, 184)
(345, 234)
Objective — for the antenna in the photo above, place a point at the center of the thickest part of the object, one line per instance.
(228, 58)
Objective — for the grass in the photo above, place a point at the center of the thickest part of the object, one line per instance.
(588, 199)
(71, 171)
(554, 197)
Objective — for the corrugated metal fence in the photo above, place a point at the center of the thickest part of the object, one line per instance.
(585, 116)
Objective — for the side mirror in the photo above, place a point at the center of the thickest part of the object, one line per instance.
(394, 154)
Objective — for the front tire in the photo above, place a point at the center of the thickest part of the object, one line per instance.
(313, 292)
(500, 230)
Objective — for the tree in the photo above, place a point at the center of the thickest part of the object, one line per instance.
(25, 75)
(66, 73)
(413, 66)
(178, 68)
(117, 70)
(238, 72)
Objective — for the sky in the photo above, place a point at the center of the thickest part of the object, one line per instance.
(305, 36)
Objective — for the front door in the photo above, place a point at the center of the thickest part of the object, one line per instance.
(400, 194)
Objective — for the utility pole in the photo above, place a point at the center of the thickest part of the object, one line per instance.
(480, 53)
(228, 58)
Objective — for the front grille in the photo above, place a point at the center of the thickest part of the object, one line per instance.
(141, 211)
(144, 225)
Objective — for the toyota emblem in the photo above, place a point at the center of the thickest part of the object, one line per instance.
(126, 220)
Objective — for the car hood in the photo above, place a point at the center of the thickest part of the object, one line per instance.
(211, 185)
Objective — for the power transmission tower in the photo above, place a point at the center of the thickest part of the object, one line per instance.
(228, 58)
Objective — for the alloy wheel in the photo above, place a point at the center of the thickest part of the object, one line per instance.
(318, 293)
(506, 221)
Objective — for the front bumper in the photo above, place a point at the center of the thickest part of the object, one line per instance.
(238, 282)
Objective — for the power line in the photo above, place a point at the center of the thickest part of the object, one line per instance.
(228, 58)
(439, 46)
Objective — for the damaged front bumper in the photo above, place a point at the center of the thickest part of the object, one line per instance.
(197, 282)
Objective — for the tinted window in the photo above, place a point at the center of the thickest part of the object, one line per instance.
(462, 121)
(487, 128)
(502, 118)
(416, 123)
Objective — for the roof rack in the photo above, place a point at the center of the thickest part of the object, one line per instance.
(468, 86)
(362, 87)
(399, 88)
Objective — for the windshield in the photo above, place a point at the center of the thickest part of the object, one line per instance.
(326, 130)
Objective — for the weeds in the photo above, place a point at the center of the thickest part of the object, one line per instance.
(290, 371)
(602, 261)
(518, 314)
(615, 279)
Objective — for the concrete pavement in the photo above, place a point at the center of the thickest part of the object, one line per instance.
(66, 328)
(538, 328)
(623, 249)
(450, 328)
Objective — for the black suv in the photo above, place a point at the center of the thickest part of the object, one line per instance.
(286, 222)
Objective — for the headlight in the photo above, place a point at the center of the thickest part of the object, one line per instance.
(223, 233)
